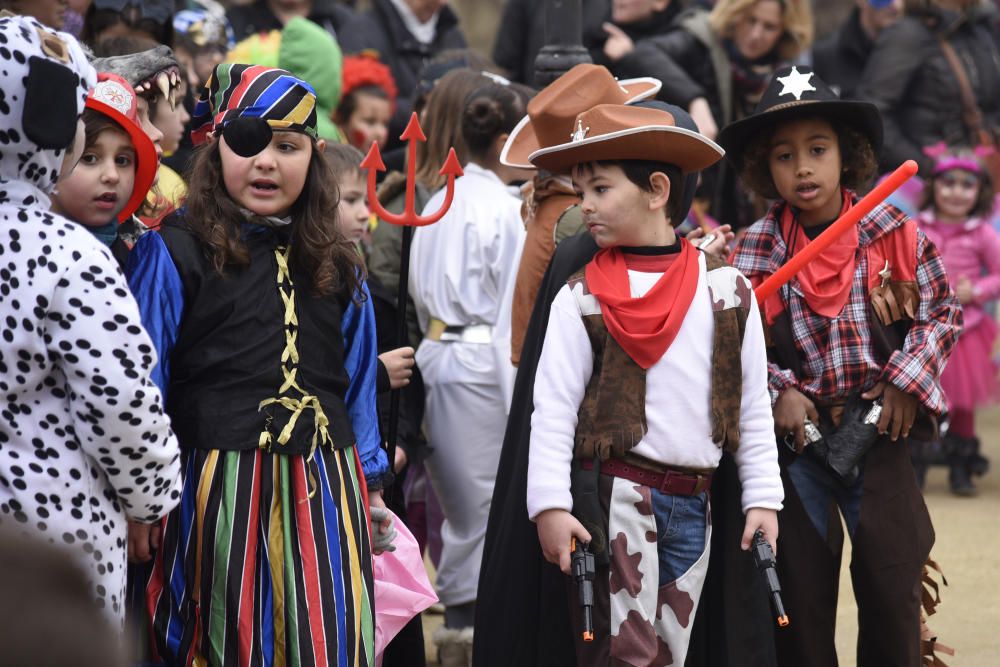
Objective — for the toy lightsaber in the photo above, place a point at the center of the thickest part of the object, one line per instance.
(864, 206)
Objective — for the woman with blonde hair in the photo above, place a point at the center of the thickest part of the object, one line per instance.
(716, 65)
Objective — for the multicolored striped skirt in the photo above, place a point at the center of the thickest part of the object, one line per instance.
(266, 561)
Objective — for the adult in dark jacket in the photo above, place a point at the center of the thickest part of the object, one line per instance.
(716, 65)
(405, 34)
(840, 57)
(522, 34)
(908, 78)
(268, 15)
(612, 43)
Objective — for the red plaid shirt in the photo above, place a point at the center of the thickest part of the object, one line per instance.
(838, 356)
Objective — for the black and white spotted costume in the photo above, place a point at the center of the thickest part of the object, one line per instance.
(84, 442)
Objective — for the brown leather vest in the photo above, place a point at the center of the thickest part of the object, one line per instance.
(612, 416)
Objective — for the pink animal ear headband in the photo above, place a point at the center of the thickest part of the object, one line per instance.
(945, 161)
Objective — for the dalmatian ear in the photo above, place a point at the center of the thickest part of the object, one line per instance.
(50, 104)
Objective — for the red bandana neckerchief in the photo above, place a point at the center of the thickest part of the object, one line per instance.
(826, 280)
(644, 326)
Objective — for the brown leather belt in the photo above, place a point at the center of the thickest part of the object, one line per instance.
(672, 481)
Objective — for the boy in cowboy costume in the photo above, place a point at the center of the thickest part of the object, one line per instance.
(859, 338)
(653, 363)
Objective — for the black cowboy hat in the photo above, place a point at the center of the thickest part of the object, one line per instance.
(796, 92)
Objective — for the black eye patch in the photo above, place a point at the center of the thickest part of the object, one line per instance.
(247, 136)
(50, 104)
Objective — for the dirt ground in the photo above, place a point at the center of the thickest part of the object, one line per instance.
(968, 550)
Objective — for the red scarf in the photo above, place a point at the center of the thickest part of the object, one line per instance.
(645, 326)
(826, 280)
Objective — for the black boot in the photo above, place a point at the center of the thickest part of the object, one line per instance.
(960, 451)
(979, 465)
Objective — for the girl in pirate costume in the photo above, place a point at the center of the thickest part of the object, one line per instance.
(859, 338)
(267, 337)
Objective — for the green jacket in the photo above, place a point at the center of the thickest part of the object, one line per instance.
(310, 53)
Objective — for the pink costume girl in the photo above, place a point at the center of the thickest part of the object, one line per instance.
(957, 202)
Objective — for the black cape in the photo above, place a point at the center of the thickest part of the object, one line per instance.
(521, 615)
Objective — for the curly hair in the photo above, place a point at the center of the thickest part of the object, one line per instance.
(318, 249)
(857, 160)
(796, 16)
(365, 71)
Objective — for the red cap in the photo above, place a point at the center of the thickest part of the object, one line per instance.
(116, 99)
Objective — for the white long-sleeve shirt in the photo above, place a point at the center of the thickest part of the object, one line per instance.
(678, 401)
(462, 268)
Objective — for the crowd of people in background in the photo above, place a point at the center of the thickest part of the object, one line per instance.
(219, 379)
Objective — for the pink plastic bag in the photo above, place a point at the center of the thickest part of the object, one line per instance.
(402, 589)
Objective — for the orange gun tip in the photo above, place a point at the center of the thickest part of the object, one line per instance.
(783, 621)
(588, 636)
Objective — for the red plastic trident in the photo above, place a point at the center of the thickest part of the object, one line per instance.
(409, 219)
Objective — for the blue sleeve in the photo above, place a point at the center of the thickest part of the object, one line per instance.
(156, 285)
(361, 363)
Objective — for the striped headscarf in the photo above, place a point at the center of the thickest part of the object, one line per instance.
(273, 95)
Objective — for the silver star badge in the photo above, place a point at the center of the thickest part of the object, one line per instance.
(581, 132)
(796, 83)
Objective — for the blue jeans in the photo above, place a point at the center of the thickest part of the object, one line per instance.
(680, 532)
(816, 486)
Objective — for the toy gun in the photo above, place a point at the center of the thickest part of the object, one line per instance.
(763, 558)
(583, 572)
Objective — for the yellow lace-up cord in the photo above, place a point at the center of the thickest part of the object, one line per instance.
(289, 368)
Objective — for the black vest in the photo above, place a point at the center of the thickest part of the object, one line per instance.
(227, 359)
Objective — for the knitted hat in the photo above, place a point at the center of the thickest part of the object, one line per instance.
(116, 99)
(247, 102)
(205, 26)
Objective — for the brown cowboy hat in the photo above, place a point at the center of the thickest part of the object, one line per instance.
(619, 132)
(552, 111)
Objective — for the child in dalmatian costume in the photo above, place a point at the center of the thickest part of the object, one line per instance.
(84, 443)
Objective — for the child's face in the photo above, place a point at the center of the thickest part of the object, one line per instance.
(955, 194)
(352, 211)
(616, 210)
(170, 123)
(805, 167)
(625, 12)
(154, 134)
(760, 29)
(101, 184)
(269, 182)
(369, 123)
